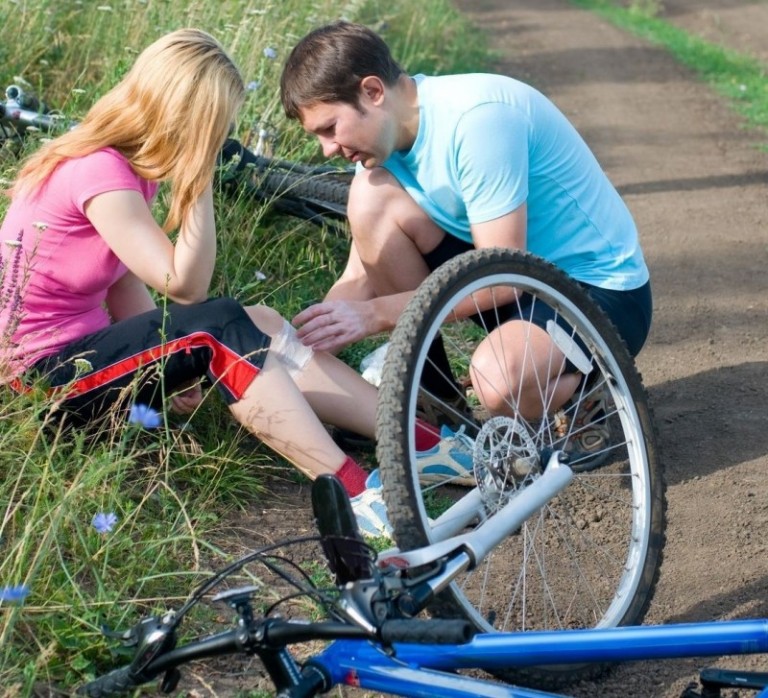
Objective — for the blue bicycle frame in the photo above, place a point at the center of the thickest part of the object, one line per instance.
(421, 670)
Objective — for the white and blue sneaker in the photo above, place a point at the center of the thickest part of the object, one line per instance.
(449, 461)
(370, 510)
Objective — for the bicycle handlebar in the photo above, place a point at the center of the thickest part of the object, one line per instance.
(268, 635)
(23, 111)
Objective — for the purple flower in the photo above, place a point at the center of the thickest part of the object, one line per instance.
(13, 594)
(270, 53)
(145, 416)
(104, 522)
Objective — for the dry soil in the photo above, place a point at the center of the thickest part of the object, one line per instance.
(697, 183)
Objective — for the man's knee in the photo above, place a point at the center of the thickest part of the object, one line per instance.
(378, 205)
(370, 197)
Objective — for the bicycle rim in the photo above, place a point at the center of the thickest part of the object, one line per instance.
(590, 557)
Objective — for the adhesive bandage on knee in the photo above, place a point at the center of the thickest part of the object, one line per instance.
(289, 351)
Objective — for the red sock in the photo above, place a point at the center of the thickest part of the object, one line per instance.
(352, 476)
(427, 436)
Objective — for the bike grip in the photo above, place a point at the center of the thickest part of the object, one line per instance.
(427, 632)
(111, 684)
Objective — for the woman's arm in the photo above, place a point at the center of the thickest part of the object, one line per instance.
(127, 297)
(182, 271)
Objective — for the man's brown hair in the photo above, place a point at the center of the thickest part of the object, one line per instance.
(329, 63)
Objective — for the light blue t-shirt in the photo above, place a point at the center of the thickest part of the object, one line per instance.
(486, 144)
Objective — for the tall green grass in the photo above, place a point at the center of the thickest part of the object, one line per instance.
(170, 489)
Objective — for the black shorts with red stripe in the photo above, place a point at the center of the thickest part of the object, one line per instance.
(147, 357)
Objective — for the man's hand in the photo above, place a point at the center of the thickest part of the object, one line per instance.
(333, 325)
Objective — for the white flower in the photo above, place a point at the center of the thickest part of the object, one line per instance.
(82, 366)
(260, 275)
(12, 243)
(40, 225)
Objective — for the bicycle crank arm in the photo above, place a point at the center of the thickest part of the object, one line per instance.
(479, 542)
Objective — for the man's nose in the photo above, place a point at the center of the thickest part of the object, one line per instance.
(329, 146)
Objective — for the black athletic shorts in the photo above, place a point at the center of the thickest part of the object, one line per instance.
(143, 358)
(630, 311)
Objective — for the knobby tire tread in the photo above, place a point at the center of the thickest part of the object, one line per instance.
(315, 188)
(393, 452)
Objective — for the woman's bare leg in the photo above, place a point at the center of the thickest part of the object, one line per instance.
(275, 411)
(336, 392)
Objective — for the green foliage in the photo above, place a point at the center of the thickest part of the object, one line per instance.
(170, 489)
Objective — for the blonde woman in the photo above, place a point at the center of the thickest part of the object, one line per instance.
(84, 248)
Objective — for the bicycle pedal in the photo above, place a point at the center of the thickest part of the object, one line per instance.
(349, 558)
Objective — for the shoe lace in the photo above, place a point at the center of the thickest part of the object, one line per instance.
(463, 440)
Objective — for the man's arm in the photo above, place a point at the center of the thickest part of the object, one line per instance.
(507, 231)
(350, 311)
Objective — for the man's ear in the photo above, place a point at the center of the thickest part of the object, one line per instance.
(372, 90)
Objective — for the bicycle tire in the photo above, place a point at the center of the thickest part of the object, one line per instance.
(317, 193)
(604, 534)
(322, 192)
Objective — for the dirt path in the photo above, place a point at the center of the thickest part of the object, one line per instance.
(697, 186)
(737, 24)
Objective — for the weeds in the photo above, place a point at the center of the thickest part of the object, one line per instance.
(99, 527)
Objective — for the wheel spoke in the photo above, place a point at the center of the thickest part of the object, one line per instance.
(546, 372)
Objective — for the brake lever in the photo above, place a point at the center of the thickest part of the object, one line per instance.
(150, 636)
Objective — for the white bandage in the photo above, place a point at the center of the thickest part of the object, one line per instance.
(289, 351)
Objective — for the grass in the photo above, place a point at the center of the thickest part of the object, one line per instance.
(171, 489)
(740, 78)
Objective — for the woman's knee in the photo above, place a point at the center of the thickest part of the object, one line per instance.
(266, 319)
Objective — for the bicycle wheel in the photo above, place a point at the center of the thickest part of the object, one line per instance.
(317, 193)
(591, 556)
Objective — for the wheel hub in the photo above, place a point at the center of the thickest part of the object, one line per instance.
(504, 458)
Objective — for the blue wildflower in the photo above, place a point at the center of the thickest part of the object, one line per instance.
(270, 53)
(13, 594)
(253, 85)
(145, 416)
(104, 522)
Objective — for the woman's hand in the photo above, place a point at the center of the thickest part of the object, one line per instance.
(187, 399)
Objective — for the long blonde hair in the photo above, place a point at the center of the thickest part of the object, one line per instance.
(169, 116)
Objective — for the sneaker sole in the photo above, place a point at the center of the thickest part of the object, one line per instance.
(426, 479)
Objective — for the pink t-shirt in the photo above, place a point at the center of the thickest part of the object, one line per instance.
(63, 267)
